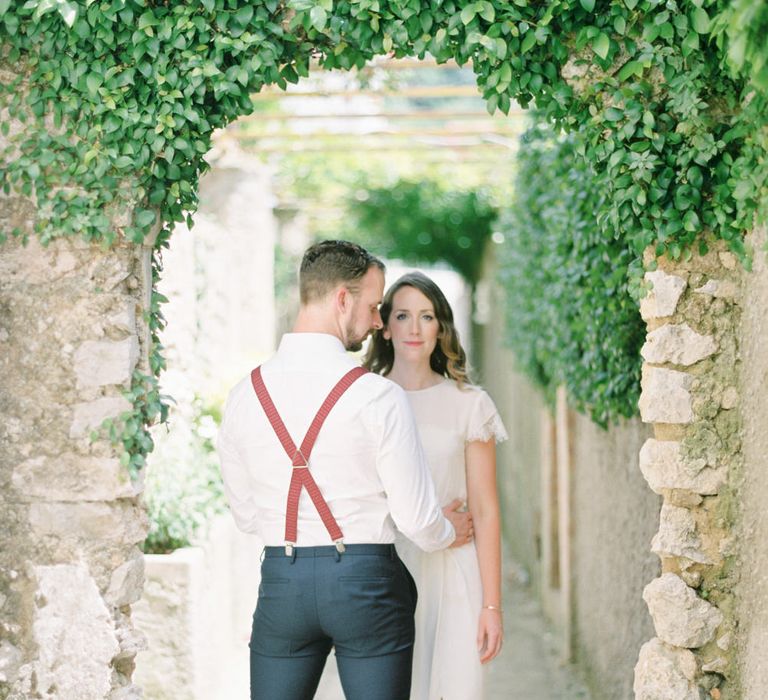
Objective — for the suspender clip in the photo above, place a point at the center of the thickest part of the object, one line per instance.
(289, 549)
(340, 548)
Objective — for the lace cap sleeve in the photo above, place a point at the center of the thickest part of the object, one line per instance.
(484, 421)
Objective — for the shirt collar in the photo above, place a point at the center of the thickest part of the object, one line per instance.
(310, 345)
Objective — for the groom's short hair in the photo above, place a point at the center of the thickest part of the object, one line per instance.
(328, 264)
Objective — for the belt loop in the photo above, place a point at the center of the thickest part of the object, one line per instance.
(263, 554)
(392, 552)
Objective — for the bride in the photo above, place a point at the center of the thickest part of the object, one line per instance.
(459, 615)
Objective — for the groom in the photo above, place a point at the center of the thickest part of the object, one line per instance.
(311, 418)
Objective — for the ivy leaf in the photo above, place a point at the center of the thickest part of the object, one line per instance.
(700, 20)
(588, 5)
(630, 68)
(528, 41)
(4, 5)
(93, 82)
(468, 13)
(68, 12)
(244, 15)
(601, 44)
(145, 217)
(690, 43)
(148, 19)
(487, 12)
(318, 16)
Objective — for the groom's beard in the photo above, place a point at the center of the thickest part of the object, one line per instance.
(354, 342)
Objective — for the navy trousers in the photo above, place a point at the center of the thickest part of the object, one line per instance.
(360, 602)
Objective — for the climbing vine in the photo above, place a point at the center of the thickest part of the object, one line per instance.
(108, 106)
(571, 317)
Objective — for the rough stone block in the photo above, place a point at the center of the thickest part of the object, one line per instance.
(680, 617)
(132, 641)
(102, 362)
(665, 396)
(718, 665)
(124, 524)
(720, 289)
(728, 260)
(677, 536)
(125, 319)
(128, 692)
(662, 299)
(730, 398)
(10, 662)
(665, 673)
(90, 415)
(678, 345)
(72, 477)
(38, 264)
(663, 467)
(126, 583)
(74, 633)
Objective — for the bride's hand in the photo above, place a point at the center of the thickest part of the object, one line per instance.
(490, 632)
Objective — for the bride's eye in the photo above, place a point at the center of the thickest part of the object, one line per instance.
(428, 317)
(400, 316)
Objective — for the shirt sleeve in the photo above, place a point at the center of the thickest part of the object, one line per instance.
(237, 481)
(484, 421)
(405, 475)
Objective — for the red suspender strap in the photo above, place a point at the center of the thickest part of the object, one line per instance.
(300, 457)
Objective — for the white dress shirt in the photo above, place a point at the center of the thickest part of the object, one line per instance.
(368, 462)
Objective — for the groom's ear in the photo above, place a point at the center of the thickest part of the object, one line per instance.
(386, 334)
(342, 298)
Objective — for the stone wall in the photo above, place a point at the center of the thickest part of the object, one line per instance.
(196, 613)
(751, 608)
(615, 516)
(690, 394)
(70, 336)
(517, 459)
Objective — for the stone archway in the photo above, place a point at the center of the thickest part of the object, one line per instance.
(74, 314)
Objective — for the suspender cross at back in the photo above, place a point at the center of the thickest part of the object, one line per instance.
(301, 478)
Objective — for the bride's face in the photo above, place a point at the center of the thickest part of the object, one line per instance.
(413, 327)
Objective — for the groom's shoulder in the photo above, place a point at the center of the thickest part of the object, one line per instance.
(383, 389)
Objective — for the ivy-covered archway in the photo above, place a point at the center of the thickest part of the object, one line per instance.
(108, 107)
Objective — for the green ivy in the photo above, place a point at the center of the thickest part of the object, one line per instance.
(424, 222)
(131, 429)
(571, 319)
(120, 97)
(115, 101)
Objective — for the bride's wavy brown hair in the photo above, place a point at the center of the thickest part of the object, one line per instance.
(447, 359)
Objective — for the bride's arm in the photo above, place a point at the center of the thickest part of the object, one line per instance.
(483, 503)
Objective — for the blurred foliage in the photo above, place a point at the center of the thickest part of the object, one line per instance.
(183, 488)
(424, 222)
(571, 318)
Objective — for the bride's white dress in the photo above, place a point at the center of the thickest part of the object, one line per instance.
(446, 664)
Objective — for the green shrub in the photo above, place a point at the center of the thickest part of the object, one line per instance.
(183, 488)
(424, 222)
(571, 318)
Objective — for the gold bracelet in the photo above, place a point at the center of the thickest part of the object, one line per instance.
(493, 607)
